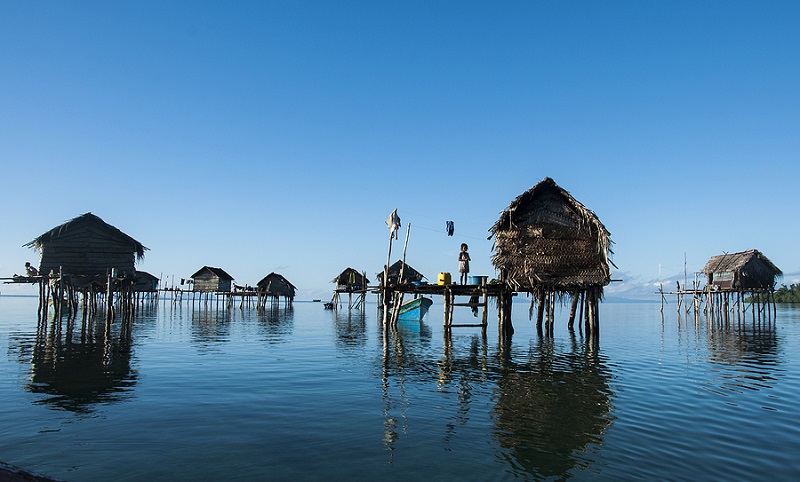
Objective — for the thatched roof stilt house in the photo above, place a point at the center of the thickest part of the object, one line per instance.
(548, 244)
(746, 271)
(349, 281)
(87, 246)
(409, 274)
(89, 256)
(209, 279)
(274, 286)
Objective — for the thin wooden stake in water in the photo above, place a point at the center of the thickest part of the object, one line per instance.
(399, 296)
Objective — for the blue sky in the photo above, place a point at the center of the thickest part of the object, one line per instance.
(278, 136)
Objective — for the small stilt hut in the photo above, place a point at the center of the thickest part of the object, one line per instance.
(550, 245)
(409, 274)
(146, 286)
(740, 274)
(86, 255)
(209, 282)
(351, 282)
(272, 287)
(212, 280)
(745, 271)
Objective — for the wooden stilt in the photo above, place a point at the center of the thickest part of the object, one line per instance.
(572, 309)
(541, 296)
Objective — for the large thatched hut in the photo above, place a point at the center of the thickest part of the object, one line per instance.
(549, 244)
(87, 246)
(745, 271)
(212, 280)
(409, 274)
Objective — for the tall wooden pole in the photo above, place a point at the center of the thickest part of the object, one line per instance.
(399, 296)
(385, 287)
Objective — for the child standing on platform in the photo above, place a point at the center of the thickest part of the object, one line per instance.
(463, 264)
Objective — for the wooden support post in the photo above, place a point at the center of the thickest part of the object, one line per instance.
(573, 308)
(589, 315)
(485, 303)
(508, 296)
(596, 332)
(774, 308)
(541, 296)
(447, 313)
(110, 294)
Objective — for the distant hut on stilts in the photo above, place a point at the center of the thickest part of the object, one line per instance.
(351, 282)
(146, 286)
(86, 255)
(409, 274)
(209, 281)
(550, 245)
(740, 274)
(272, 287)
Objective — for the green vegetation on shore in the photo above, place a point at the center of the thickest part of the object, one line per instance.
(784, 294)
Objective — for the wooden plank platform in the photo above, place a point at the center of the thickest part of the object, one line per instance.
(491, 289)
(479, 298)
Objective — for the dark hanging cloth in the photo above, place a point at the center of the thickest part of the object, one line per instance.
(450, 228)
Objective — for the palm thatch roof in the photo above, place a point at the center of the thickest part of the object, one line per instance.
(751, 269)
(409, 273)
(350, 277)
(217, 272)
(738, 261)
(145, 281)
(546, 239)
(276, 285)
(87, 246)
(87, 220)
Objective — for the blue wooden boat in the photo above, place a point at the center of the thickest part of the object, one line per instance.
(415, 309)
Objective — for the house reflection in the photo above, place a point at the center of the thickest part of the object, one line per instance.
(549, 405)
(351, 328)
(210, 325)
(746, 354)
(275, 323)
(552, 408)
(79, 364)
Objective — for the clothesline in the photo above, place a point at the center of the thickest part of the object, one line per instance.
(457, 221)
(442, 231)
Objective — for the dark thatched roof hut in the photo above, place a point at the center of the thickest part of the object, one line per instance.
(145, 282)
(748, 270)
(409, 274)
(547, 240)
(350, 280)
(276, 285)
(212, 280)
(87, 246)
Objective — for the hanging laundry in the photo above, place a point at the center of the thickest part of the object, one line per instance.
(393, 222)
(450, 228)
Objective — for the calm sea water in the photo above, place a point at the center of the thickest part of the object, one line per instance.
(200, 393)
